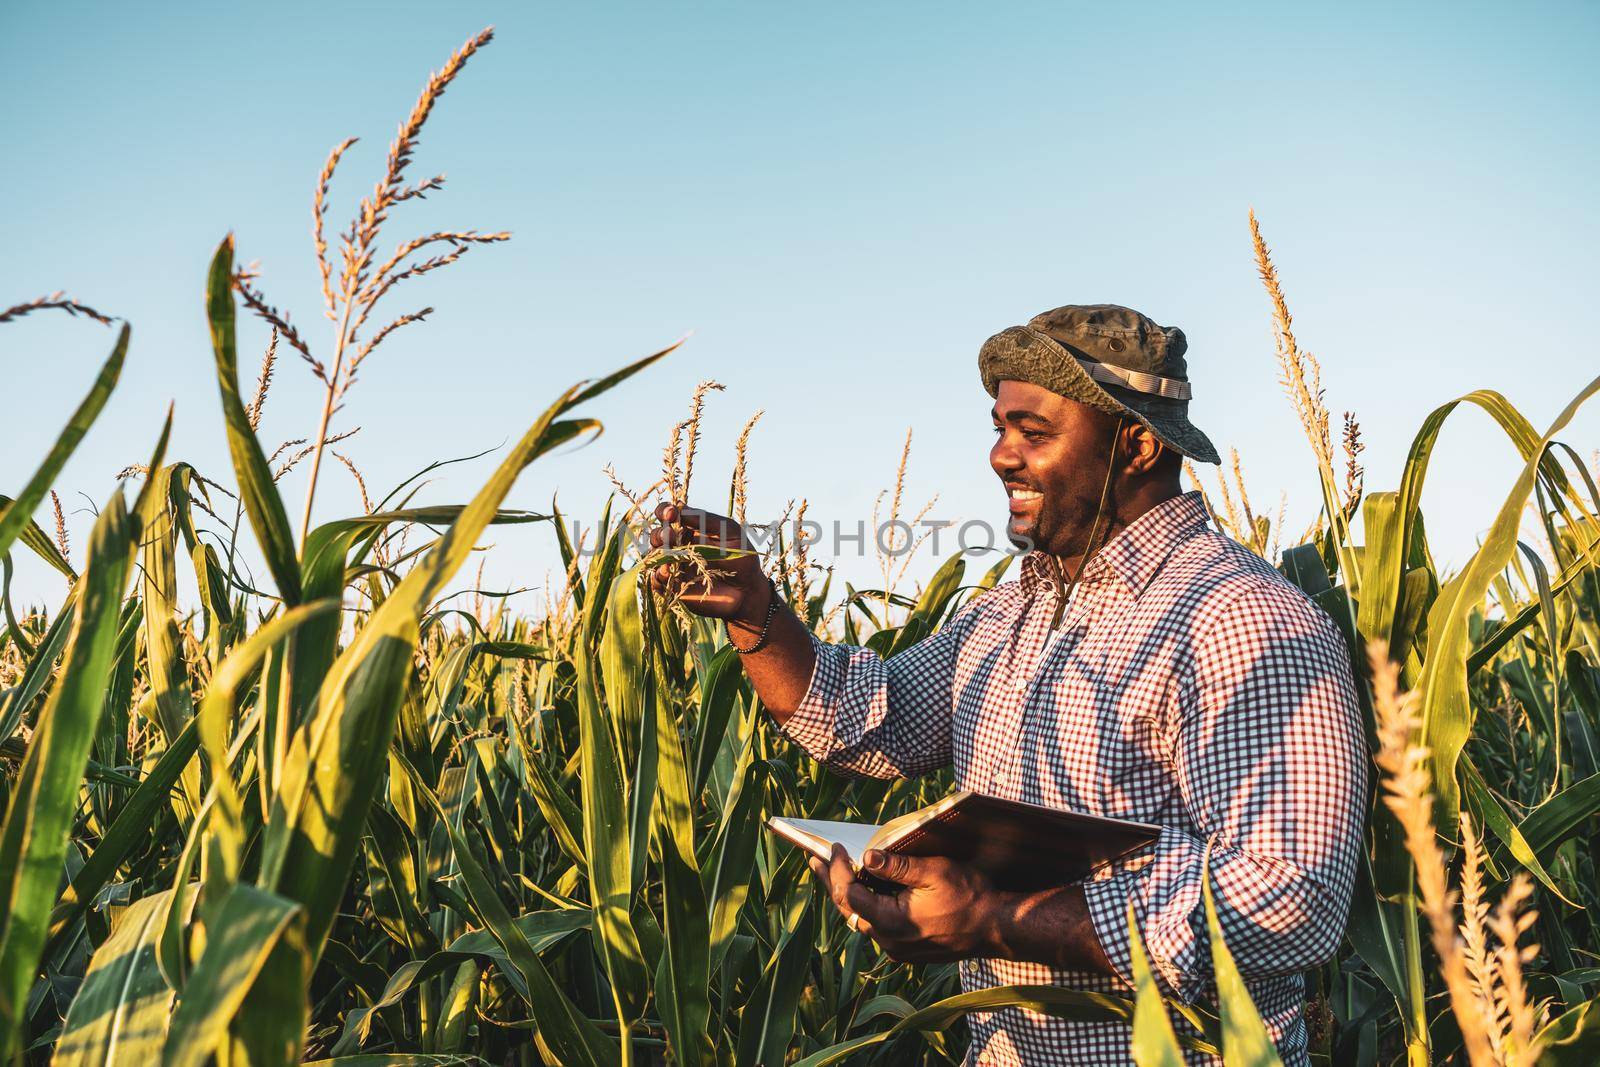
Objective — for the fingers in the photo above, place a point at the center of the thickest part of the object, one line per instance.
(670, 535)
(686, 526)
(711, 528)
(838, 877)
(841, 876)
(661, 578)
(872, 912)
(893, 867)
(671, 529)
(881, 913)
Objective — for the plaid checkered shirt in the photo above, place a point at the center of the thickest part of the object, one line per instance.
(1189, 685)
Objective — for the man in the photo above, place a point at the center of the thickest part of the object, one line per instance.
(1142, 666)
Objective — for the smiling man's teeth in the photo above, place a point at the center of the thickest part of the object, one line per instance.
(1024, 494)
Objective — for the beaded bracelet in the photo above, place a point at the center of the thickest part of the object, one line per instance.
(766, 624)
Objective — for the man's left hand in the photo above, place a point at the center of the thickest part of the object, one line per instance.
(946, 910)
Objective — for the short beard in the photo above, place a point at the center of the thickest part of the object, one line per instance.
(1097, 522)
(1096, 518)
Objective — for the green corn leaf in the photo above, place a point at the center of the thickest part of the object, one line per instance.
(731, 863)
(766, 1025)
(217, 712)
(399, 1059)
(1582, 712)
(1381, 565)
(39, 543)
(120, 1014)
(393, 848)
(563, 816)
(633, 727)
(1303, 566)
(1571, 1039)
(1562, 816)
(1048, 1000)
(330, 780)
(158, 459)
(992, 576)
(1374, 932)
(33, 840)
(622, 662)
(606, 843)
(172, 950)
(885, 1006)
(328, 555)
(248, 926)
(543, 930)
(683, 977)
(568, 554)
(1404, 518)
(1155, 1044)
(642, 802)
(211, 584)
(1446, 710)
(575, 1039)
(262, 503)
(17, 514)
(602, 571)
(167, 672)
(40, 667)
(1492, 813)
(591, 389)
(335, 760)
(1387, 612)
(719, 696)
(269, 1028)
(1245, 1042)
(130, 831)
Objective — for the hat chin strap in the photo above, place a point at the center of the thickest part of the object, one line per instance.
(1094, 529)
(1138, 381)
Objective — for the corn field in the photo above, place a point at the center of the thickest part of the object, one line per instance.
(324, 814)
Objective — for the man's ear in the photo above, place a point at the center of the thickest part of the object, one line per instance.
(1141, 447)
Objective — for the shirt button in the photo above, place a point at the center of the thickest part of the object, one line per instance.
(970, 968)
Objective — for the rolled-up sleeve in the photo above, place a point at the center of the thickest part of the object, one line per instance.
(881, 718)
(1271, 764)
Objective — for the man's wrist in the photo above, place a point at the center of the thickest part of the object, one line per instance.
(998, 924)
(1052, 927)
(753, 610)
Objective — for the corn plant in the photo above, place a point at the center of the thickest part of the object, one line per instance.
(1501, 658)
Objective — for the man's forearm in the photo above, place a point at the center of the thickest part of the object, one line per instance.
(781, 671)
(1051, 927)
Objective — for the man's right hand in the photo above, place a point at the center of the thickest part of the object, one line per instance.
(737, 592)
(741, 595)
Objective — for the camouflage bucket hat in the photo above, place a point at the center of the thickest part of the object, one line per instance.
(1108, 357)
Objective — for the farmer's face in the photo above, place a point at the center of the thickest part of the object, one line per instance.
(1051, 454)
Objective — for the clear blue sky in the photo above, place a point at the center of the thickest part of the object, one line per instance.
(842, 201)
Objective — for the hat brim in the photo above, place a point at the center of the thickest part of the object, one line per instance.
(1022, 354)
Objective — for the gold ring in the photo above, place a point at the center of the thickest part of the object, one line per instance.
(854, 922)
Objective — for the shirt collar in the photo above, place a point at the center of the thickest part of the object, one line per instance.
(1135, 554)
